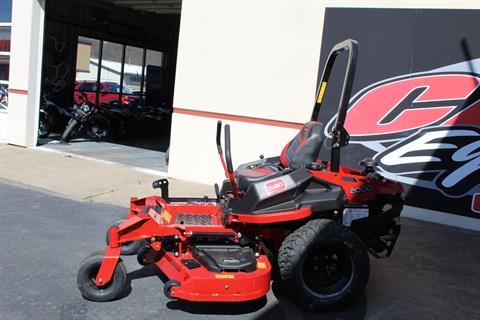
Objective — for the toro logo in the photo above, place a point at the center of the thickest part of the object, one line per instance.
(275, 186)
(424, 128)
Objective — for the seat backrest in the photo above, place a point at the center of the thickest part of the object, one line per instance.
(304, 148)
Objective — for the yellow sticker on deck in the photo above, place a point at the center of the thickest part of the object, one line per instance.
(322, 92)
(166, 215)
(224, 276)
(261, 265)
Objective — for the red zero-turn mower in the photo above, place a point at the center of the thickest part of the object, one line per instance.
(310, 220)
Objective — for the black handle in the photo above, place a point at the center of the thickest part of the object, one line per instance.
(219, 132)
(351, 47)
(228, 155)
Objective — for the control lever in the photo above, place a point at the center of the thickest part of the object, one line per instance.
(162, 184)
(217, 191)
(227, 210)
(219, 148)
(227, 161)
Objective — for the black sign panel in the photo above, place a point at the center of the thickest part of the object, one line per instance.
(415, 106)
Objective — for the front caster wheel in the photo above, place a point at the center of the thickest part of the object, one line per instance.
(86, 280)
(128, 248)
(323, 265)
(167, 288)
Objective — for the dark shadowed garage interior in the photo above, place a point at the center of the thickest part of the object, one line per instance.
(117, 55)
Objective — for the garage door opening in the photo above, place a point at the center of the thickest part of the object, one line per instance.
(107, 82)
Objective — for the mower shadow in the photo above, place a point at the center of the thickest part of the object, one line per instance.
(284, 309)
(145, 272)
(218, 308)
(280, 309)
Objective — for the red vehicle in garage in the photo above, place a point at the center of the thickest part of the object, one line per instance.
(85, 91)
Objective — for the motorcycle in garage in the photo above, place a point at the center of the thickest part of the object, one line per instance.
(97, 123)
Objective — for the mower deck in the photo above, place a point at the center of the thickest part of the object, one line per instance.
(169, 226)
(199, 284)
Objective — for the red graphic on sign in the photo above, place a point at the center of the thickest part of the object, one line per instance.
(275, 186)
(407, 104)
(476, 203)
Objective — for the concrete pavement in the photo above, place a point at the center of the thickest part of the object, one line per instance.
(83, 179)
(433, 273)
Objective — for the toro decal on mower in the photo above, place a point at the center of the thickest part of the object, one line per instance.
(275, 186)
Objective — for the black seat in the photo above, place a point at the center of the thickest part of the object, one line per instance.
(247, 176)
(300, 152)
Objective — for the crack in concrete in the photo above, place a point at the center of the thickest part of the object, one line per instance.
(98, 194)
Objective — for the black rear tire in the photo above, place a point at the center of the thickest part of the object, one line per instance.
(128, 248)
(86, 280)
(70, 130)
(323, 265)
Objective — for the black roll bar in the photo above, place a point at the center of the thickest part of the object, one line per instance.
(340, 136)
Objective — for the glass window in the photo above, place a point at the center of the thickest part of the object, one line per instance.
(3, 96)
(110, 72)
(86, 70)
(4, 66)
(87, 86)
(5, 10)
(5, 39)
(140, 82)
(132, 73)
(114, 87)
(153, 76)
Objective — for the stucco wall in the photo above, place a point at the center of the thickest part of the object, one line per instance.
(250, 59)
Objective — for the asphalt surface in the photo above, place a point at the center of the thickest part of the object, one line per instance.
(434, 272)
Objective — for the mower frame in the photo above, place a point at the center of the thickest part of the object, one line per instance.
(175, 229)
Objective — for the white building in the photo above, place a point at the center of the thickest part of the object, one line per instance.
(255, 65)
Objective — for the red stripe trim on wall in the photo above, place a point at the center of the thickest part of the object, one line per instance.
(18, 91)
(223, 116)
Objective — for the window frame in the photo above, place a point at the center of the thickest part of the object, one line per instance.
(101, 84)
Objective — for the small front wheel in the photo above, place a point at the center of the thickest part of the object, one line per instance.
(86, 280)
(167, 288)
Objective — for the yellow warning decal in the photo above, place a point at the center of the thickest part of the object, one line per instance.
(166, 215)
(225, 276)
(322, 92)
(261, 265)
